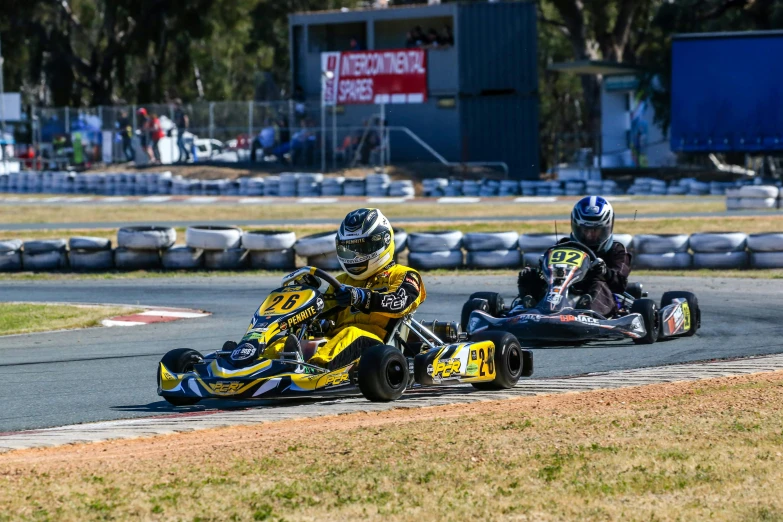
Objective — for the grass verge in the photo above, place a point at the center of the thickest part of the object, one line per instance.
(18, 318)
(77, 213)
(682, 451)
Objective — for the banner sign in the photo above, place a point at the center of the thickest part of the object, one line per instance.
(374, 77)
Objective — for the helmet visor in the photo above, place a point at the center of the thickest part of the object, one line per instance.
(592, 236)
(356, 249)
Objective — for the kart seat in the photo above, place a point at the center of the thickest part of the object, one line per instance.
(310, 346)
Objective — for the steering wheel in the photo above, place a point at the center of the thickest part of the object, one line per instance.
(326, 276)
(579, 246)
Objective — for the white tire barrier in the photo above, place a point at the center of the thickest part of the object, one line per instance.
(718, 242)
(751, 203)
(537, 242)
(43, 246)
(668, 260)
(733, 204)
(268, 240)
(759, 191)
(10, 261)
(230, 259)
(10, 245)
(738, 259)
(128, 259)
(474, 241)
(442, 259)
(146, 238)
(766, 259)
(273, 259)
(91, 260)
(316, 245)
(182, 257)
(213, 238)
(400, 239)
(324, 261)
(769, 242)
(624, 239)
(511, 258)
(660, 243)
(440, 241)
(51, 260)
(89, 243)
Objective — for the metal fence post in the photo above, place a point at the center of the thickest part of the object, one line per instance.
(211, 119)
(249, 128)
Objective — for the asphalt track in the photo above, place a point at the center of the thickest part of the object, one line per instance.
(60, 378)
(403, 221)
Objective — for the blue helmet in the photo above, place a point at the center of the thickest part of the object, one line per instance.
(592, 222)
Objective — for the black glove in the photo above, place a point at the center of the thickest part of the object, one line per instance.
(350, 296)
(524, 277)
(598, 269)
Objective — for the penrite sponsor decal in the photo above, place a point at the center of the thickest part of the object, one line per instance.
(298, 318)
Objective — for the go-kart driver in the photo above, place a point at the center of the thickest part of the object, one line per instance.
(376, 291)
(592, 224)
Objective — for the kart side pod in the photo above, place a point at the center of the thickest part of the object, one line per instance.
(464, 362)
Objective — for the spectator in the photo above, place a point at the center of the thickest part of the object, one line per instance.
(156, 134)
(299, 102)
(418, 36)
(432, 38)
(354, 45)
(447, 37)
(182, 121)
(144, 133)
(409, 40)
(126, 134)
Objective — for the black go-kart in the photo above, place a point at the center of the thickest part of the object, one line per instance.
(557, 319)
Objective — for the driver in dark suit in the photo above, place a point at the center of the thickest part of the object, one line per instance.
(592, 223)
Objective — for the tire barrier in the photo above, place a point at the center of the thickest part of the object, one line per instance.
(400, 239)
(267, 240)
(273, 259)
(625, 239)
(660, 243)
(718, 242)
(720, 260)
(438, 259)
(753, 197)
(182, 257)
(146, 238)
(229, 259)
(493, 258)
(476, 241)
(439, 241)
(91, 260)
(278, 250)
(668, 260)
(316, 245)
(213, 238)
(129, 259)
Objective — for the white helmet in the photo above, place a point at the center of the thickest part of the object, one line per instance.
(365, 243)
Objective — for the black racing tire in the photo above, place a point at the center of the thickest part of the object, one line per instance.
(693, 306)
(494, 300)
(470, 306)
(648, 309)
(509, 360)
(180, 360)
(634, 290)
(383, 373)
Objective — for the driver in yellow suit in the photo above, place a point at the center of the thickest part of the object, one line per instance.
(375, 291)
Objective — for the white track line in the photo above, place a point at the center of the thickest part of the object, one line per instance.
(172, 313)
(112, 322)
(316, 201)
(155, 199)
(460, 199)
(536, 199)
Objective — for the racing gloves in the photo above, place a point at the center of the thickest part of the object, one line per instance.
(351, 296)
(599, 269)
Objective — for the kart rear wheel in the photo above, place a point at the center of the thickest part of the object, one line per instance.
(693, 306)
(648, 309)
(383, 373)
(470, 306)
(494, 300)
(510, 360)
(180, 360)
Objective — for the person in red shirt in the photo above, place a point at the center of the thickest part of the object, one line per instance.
(156, 134)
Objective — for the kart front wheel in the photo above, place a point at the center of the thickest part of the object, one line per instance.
(511, 361)
(180, 360)
(494, 300)
(693, 307)
(383, 373)
(651, 319)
